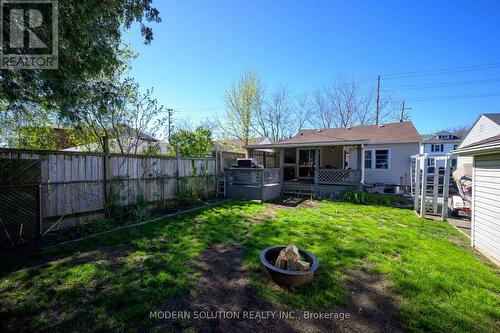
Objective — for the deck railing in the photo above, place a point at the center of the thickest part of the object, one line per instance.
(252, 176)
(339, 176)
(252, 183)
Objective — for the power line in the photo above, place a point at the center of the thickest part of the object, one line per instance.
(441, 98)
(201, 108)
(442, 84)
(440, 71)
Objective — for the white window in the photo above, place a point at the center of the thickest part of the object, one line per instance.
(382, 159)
(378, 159)
(368, 159)
(436, 148)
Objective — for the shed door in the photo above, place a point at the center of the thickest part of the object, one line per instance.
(486, 192)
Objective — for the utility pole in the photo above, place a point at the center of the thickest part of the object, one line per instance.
(403, 109)
(378, 100)
(170, 120)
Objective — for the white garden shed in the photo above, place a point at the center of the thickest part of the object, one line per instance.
(483, 144)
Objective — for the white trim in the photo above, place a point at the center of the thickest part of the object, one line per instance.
(477, 150)
(362, 163)
(473, 216)
(307, 145)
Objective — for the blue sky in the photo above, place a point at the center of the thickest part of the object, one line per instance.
(201, 47)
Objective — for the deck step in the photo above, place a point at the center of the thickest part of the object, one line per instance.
(298, 191)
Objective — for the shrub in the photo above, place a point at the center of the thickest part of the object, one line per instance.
(372, 198)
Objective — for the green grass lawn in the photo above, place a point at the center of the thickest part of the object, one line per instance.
(113, 281)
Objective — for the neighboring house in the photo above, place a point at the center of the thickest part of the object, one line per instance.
(264, 157)
(439, 144)
(134, 142)
(329, 161)
(482, 143)
(236, 145)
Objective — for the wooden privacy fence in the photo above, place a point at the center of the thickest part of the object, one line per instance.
(75, 186)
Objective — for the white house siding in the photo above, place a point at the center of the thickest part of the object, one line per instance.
(447, 147)
(461, 160)
(484, 128)
(486, 205)
(400, 154)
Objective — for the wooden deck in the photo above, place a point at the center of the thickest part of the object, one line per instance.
(265, 184)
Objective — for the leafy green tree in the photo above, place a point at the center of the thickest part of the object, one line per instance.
(242, 100)
(27, 128)
(197, 143)
(90, 46)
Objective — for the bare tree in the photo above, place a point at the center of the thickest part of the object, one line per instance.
(346, 102)
(324, 114)
(275, 119)
(302, 111)
(242, 100)
(460, 131)
(343, 97)
(130, 119)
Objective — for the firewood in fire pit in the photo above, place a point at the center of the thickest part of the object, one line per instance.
(289, 259)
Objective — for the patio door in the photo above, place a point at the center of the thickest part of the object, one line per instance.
(306, 163)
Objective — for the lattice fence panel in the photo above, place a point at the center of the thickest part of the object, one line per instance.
(271, 176)
(244, 176)
(19, 171)
(19, 219)
(338, 176)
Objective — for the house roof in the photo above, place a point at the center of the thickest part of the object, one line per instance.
(495, 117)
(493, 139)
(236, 145)
(401, 132)
(434, 138)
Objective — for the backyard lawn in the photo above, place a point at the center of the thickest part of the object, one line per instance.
(420, 274)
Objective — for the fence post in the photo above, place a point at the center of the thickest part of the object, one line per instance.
(262, 185)
(207, 175)
(216, 173)
(105, 173)
(446, 187)
(423, 199)
(177, 171)
(40, 214)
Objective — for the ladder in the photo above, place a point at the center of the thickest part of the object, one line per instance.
(220, 187)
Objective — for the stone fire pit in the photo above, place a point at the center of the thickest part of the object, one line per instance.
(283, 276)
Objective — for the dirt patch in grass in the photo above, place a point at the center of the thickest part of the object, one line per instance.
(222, 285)
(374, 306)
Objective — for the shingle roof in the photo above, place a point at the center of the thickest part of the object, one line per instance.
(495, 117)
(394, 132)
(443, 133)
(236, 145)
(434, 139)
